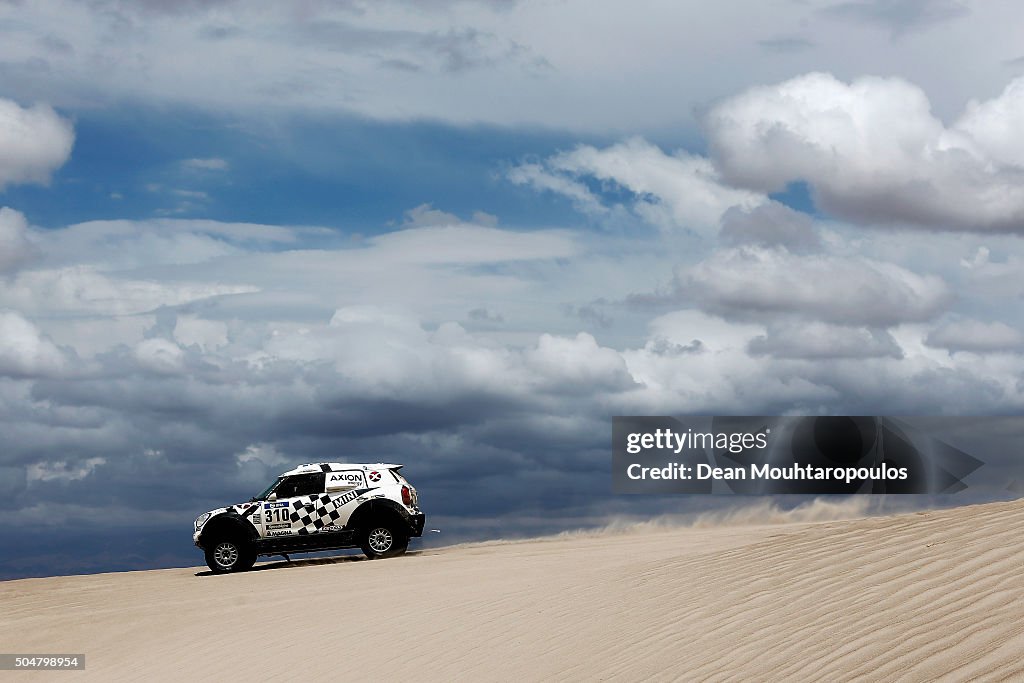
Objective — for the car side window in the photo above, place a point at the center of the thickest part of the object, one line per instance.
(301, 485)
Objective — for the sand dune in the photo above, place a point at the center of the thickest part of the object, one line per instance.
(923, 596)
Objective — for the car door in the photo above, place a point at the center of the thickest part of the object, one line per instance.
(345, 489)
(294, 510)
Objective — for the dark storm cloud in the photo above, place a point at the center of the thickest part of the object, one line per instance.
(166, 448)
(129, 437)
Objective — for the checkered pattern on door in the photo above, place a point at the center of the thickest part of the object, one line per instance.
(322, 510)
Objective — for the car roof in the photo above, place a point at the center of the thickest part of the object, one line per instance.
(339, 466)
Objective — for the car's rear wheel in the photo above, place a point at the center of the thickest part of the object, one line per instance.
(383, 540)
(227, 555)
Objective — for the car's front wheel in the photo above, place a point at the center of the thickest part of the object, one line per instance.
(383, 540)
(228, 555)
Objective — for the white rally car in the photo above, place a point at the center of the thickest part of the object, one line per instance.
(321, 506)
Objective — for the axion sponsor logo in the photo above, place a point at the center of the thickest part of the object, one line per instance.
(352, 477)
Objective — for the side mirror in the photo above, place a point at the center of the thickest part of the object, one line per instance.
(272, 496)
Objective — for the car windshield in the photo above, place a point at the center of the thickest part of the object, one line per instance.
(266, 491)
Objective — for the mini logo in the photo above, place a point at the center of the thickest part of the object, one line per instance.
(374, 476)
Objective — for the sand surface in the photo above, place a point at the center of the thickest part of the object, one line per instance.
(937, 595)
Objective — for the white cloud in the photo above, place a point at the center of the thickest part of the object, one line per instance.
(208, 335)
(388, 354)
(83, 289)
(90, 335)
(720, 375)
(577, 362)
(34, 142)
(266, 454)
(672, 191)
(715, 334)
(208, 164)
(427, 215)
(62, 470)
(16, 249)
(258, 464)
(191, 194)
(994, 124)
(124, 244)
(25, 350)
(97, 284)
(873, 151)
(763, 282)
(471, 244)
(540, 178)
(160, 355)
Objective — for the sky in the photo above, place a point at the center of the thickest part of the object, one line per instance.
(463, 234)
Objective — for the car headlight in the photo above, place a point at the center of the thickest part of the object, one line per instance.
(201, 520)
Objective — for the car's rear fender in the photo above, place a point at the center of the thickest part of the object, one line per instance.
(380, 509)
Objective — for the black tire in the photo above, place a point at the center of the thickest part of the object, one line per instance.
(382, 539)
(229, 555)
